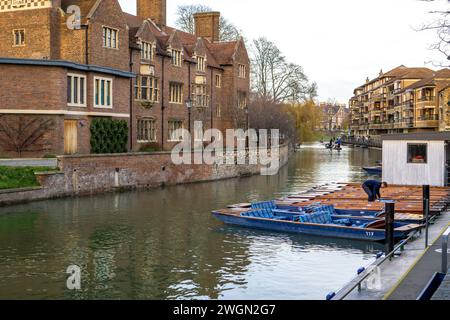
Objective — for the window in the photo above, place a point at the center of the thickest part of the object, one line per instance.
(110, 38)
(76, 90)
(201, 64)
(242, 99)
(176, 58)
(103, 92)
(146, 88)
(173, 126)
(176, 92)
(417, 153)
(218, 80)
(200, 96)
(199, 130)
(218, 110)
(19, 37)
(147, 51)
(146, 130)
(242, 71)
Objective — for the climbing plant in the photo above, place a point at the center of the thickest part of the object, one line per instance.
(109, 136)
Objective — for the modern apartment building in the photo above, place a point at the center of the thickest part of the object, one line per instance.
(400, 101)
(72, 61)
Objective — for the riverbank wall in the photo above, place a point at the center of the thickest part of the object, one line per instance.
(373, 142)
(93, 174)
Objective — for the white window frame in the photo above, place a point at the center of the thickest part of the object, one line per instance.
(201, 64)
(152, 87)
(218, 110)
(100, 106)
(147, 51)
(242, 99)
(170, 131)
(242, 73)
(79, 76)
(152, 138)
(200, 96)
(105, 38)
(177, 59)
(218, 80)
(171, 84)
(22, 38)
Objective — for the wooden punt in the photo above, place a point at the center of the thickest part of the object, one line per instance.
(365, 229)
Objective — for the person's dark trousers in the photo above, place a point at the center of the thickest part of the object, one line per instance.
(369, 193)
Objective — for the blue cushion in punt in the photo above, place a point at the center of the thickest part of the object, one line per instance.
(264, 205)
(266, 214)
(260, 213)
(321, 217)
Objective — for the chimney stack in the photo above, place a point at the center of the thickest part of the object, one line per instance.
(207, 25)
(153, 9)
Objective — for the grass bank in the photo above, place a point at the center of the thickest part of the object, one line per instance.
(23, 177)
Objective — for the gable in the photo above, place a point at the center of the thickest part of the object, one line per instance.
(174, 41)
(145, 33)
(108, 12)
(241, 54)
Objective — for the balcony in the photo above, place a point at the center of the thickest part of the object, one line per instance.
(375, 126)
(429, 117)
(428, 121)
(399, 125)
(427, 99)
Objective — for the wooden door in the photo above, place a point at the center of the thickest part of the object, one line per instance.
(70, 137)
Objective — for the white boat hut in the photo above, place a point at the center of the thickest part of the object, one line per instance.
(420, 158)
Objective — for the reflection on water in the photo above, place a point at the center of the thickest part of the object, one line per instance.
(164, 243)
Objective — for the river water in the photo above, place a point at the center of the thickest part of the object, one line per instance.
(165, 244)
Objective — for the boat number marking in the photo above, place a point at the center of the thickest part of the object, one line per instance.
(370, 234)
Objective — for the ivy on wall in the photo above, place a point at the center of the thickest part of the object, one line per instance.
(109, 136)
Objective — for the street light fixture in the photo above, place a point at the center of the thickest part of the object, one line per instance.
(189, 107)
(247, 142)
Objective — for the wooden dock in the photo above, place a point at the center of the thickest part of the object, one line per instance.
(351, 196)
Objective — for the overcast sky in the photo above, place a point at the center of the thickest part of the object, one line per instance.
(338, 42)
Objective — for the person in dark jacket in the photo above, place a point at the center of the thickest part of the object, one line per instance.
(372, 188)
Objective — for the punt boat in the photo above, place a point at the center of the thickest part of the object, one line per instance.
(296, 207)
(378, 170)
(317, 223)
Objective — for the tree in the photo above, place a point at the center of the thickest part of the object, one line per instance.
(185, 22)
(24, 134)
(265, 114)
(441, 25)
(307, 119)
(276, 79)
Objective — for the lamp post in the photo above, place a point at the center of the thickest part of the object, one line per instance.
(189, 107)
(247, 127)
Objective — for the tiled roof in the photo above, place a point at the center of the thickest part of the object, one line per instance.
(223, 51)
(218, 53)
(439, 79)
(85, 6)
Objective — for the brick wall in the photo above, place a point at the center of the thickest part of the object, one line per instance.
(109, 14)
(153, 9)
(37, 24)
(83, 175)
(207, 25)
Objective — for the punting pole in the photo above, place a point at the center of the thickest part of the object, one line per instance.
(426, 210)
(390, 217)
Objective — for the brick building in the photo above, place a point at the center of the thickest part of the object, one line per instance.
(58, 73)
(334, 116)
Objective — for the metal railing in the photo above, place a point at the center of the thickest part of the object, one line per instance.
(427, 98)
(445, 237)
(364, 273)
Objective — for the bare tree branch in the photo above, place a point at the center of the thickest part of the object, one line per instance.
(276, 79)
(23, 134)
(185, 22)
